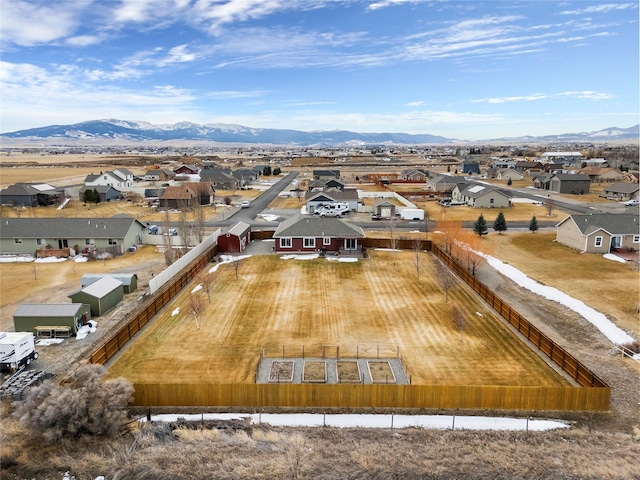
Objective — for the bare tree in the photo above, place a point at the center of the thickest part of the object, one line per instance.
(169, 256)
(459, 319)
(426, 225)
(206, 280)
(445, 278)
(549, 204)
(469, 251)
(416, 246)
(184, 230)
(197, 306)
(393, 241)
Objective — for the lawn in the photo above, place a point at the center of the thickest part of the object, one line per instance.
(278, 303)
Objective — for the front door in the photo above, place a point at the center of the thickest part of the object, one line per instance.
(350, 243)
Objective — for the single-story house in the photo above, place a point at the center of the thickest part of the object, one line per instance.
(236, 239)
(220, 179)
(509, 173)
(470, 166)
(158, 175)
(31, 195)
(245, 176)
(154, 192)
(60, 317)
(444, 183)
(575, 183)
(186, 170)
(314, 200)
(203, 192)
(529, 168)
(326, 174)
(622, 191)
(543, 181)
(384, 208)
(129, 280)
(101, 296)
(414, 175)
(566, 158)
(106, 193)
(26, 235)
(177, 197)
(602, 174)
(321, 185)
(600, 232)
(312, 234)
(484, 196)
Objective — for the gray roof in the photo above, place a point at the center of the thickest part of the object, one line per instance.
(622, 187)
(334, 194)
(98, 188)
(47, 310)
(476, 191)
(30, 189)
(89, 278)
(102, 287)
(239, 229)
(312, 226)
(572, 177)
(114, 227)
(615, 224)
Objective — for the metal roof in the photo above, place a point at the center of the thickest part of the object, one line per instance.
(113, 227)
(89, 278)
(239, 229)
(47, 310)
(102, 287)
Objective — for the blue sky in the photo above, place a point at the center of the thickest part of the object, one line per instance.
(467, 70)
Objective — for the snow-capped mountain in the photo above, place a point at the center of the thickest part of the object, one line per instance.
(124, 130)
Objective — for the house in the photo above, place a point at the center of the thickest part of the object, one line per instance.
(542, 182)
(565, 158)
(576, 183)
(509, 174)
(203, 192)
(129, 280)
(312, 234)
(106, 193)
(101, 296)
(314, 200)
(158, 175)
(326, 174)
(413, 175)
(482, 196)
(31, 195)
(602, 174)
(444, 183)
(31, 317)
(470, 166)
(553, 167)
(244, 176)
(600, 232)
(186, 170)
(220, 179)
(529, 168)
(119, 179)
(622, 191)
(177, 197)
(384, 208)
(28, 235)
(236, 239)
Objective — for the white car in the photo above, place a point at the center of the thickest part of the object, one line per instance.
(631, 203)
(245, 204)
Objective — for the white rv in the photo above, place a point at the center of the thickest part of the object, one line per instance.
(16, 349)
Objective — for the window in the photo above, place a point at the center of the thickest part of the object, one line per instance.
(88, 241)
(285, 242)
(491, 201)
(598, 242)
(636, 239)
(350, 243)
(326, 241)
(113, 241)
(17, 240)
(309, 243)
(41, 241)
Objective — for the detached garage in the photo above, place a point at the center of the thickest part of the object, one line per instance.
(56, 318)
(101, 296)
(129, 280)
(236, 239)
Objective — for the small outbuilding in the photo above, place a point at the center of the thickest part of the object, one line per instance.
(236, 239)
(384, 208)
(61, 318)
(101, 296)
(129, 280)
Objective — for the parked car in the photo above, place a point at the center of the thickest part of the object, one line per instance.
(631, 203)
(375, 216)
(245, 204)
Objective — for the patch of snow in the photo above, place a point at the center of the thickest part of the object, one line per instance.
(80, 259)
(611, 256)
(50, 260)
(436, 422)
(45, 342)
(175, 312)
(227, 259)
(85, 330)
(388, 249)
(196, 288)
(479, 314)
(268, 217)
(341, 259)
(308, 256)
(16, 258)
(597, 319)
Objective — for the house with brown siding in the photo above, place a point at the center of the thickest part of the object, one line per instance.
(600, 232)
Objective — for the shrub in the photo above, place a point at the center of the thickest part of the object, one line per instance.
(86, 406)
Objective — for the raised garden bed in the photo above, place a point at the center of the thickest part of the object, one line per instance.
(281, 372)
(381, 372)
(348, 372)
(315, 372)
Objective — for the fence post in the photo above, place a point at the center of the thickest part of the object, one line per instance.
(453, 423)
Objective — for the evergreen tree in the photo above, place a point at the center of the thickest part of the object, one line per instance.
(96, 196)
(277, 171)
(509, 182)
(533, 225)
(87, 196)
(480, 227)
(500, 224)
(267, 171)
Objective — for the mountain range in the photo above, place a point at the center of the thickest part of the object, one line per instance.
(124, 130)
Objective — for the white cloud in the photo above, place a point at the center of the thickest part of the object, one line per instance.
(603, 8)
(588, 95)
(389, 3)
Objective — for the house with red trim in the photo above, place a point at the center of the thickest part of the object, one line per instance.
(313, 234)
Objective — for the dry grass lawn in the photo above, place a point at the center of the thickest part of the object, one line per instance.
(314, 303)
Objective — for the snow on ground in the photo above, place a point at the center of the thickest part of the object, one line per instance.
(85, 330)
(268, 217)
(227, 259)
(16, 258)
(597, 319)
(308, 256)
(436, 422)
(50, 260)
(196, 288)
(342, 259)
(615, 258)
(175, 312)
(80, 259)
(388, 249)
(45, 342)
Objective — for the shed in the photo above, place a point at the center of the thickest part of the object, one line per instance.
(101, 296)
(236, 239)
(129, 280)
(384, 208)
(29, 316)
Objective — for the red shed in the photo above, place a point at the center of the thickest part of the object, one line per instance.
(236, 239)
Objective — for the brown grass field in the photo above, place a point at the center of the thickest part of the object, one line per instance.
(313, 303)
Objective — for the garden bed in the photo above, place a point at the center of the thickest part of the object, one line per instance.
(381, 372)
(315, 372)
(348, 372)
(281, 372)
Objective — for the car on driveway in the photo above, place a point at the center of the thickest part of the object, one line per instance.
(632, 203)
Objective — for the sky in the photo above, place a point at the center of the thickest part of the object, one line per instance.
(461, 69)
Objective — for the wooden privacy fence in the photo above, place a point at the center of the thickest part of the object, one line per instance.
(146, 312)
(567, 362)
(356, 396)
